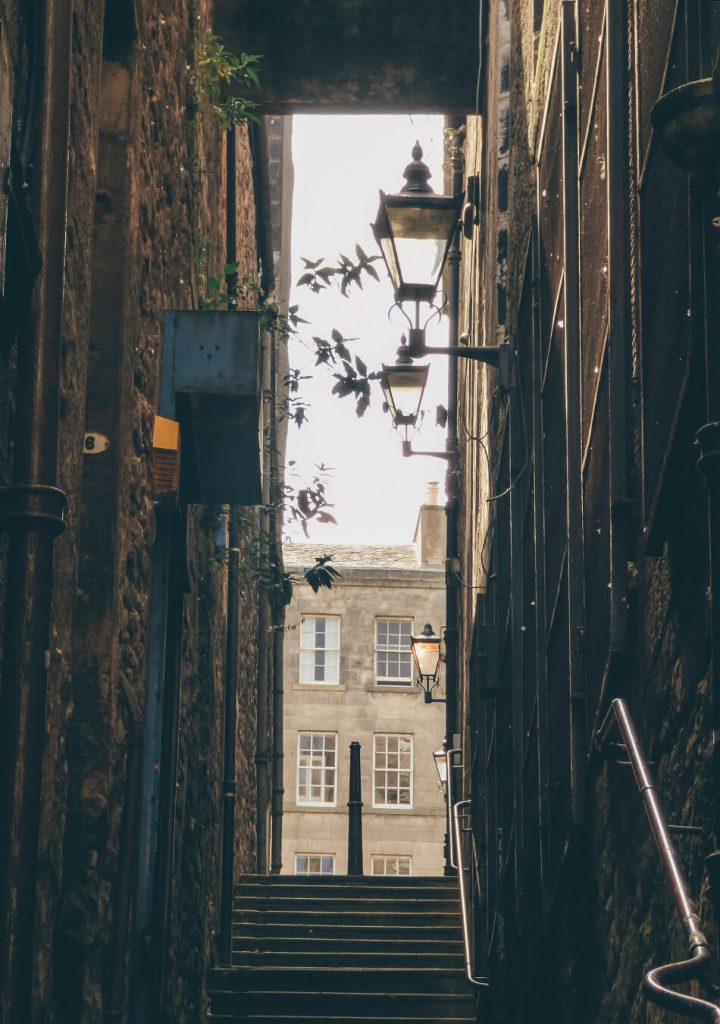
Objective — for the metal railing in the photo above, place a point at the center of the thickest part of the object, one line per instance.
(657, 980)
(450, 802)
(457, 815)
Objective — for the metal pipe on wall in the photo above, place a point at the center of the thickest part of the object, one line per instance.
(117, 995)
(452, 586)
(573, 418)
(229, 785)
(278, 622)
(227, 880)
(618, 320)
(32, 511)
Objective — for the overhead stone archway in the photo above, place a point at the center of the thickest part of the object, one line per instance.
(359, 56)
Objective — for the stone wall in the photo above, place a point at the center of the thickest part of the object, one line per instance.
(573, 905)
(146, 198)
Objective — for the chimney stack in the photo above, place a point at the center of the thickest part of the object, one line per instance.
(430, 537)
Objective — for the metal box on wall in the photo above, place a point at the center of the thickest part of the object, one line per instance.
(211, 383)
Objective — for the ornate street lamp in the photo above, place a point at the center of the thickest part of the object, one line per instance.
(425, 650)
(414, 229)
(440, 758)
(403, 386)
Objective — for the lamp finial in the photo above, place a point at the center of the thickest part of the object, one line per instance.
(417, 174)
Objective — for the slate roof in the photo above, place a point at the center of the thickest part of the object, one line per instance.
(361, 556)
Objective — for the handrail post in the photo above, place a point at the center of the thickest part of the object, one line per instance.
(355, 851)
(465, 898)
(451, 866)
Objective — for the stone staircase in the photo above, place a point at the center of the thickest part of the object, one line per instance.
(339, 950)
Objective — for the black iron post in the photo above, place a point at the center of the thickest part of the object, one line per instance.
(355, 851)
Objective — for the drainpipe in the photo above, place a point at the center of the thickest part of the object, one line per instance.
(261, 751)
(618, 324)
(278, 622)
(227, 881)
(573, 419)
(229, 785)
(32, 512)
(708, 443)
(452, 587)
(263, 235)
(126, 868)
(263, 224)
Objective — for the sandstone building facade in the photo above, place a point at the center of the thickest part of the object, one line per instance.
(348, 677)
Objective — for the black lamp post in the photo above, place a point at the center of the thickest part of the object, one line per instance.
(425, 650)
(415, 229)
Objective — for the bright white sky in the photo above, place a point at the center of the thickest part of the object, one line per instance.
(340, 164)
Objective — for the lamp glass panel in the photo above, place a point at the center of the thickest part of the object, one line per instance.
(403, 390)
(441, 765)
(420, 259)
(391, 260)
(420, 220)
(422, 234)
(427, 655)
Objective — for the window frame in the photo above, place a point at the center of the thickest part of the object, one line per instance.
(308, 857)
(391, 856)
(376, 771)
(304, 650)
(324, 768)
(406, 682)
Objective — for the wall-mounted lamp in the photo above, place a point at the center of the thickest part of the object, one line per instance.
(425, 650)
(403, 386)
(415, 229)
(440, 758)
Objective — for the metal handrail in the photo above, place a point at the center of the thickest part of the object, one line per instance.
(450, 801)
(656, 981)
(464, 898)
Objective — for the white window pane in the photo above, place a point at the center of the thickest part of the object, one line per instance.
(307, 633)
(331, 665)
(316, 768)
(332, 634)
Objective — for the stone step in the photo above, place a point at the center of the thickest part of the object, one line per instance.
(250, 958)
(348, 915)
(349, 929)
(352, 943)
(315, 1004)
(439, 882)
(337, 902)
(337, 980)
(223, 1018)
